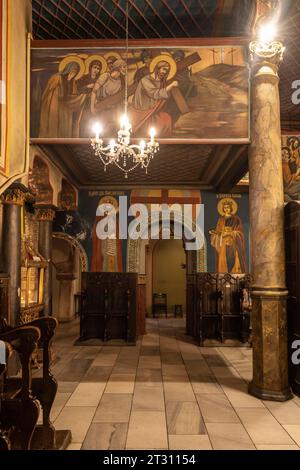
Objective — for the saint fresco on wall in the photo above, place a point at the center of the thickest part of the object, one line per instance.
(107, 254)
(291, 167)
(228, 239)
(201, 93)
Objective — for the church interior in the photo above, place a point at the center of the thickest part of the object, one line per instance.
(150, 225)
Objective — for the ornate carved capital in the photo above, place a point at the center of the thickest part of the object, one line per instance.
(271, 52)
(14, 195)
(45, 214)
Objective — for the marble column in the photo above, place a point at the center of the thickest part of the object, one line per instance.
(45, 216)
(269, 294)
(13, 200)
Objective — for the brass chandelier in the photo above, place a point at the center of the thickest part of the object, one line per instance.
(121, 153)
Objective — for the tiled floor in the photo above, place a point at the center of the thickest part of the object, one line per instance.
(164, 393)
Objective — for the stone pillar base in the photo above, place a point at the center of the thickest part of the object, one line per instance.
(270, 348)
(271, 395)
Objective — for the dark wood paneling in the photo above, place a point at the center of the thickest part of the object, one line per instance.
(220, 312)
(109, 306)
(292, 250)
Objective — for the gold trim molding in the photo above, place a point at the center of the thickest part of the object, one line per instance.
(45, 214)
(271, 52)
(15, 196)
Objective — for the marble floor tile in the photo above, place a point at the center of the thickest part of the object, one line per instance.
(149, 362)
(147, 430)
(114, 408)
(120, 383)
(74, 370)
(86, 394)
(178, 391)
(237, 393)
(105, 436)
(206, 385)
(77, 419)
(263, 427)
(229, 436)
(148, 399)
(216, 408)
(181, 442)
(171, 358)
(184, 418)
(107, 359)
(174, 370)
(148, 378)
(88, 352)
(74, 447)
(59, 402)
(66, 387)
(277, 447)
(294, 431)
(97, 374)
(285, 413)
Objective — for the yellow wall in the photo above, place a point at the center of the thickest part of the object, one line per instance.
(19, 18)
(168, 275)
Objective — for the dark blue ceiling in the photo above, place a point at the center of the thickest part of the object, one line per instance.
(98, 19)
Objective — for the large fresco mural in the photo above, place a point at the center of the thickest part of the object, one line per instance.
(196, 94)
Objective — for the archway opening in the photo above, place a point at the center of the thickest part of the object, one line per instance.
(169, 274)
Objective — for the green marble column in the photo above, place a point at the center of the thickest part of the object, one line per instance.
(269, 294)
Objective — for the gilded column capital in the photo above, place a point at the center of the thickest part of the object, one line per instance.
(271, 52)
(45, 214)
(15, 195)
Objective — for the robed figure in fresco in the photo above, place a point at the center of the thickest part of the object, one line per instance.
(228, 239)
(60, 99)
(150, 96)
(106, 254)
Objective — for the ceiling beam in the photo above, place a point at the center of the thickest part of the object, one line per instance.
(235, 169)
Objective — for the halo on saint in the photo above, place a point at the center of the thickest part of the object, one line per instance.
(229, 201)
(116, 55)
(165, 58)
(109, 201)
(94, 58)
(72, 58)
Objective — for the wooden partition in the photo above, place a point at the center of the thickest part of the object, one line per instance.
(292, 250)
(109, 306)
(222, 307)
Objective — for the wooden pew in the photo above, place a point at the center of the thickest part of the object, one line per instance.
(44, 388)
(19, 408)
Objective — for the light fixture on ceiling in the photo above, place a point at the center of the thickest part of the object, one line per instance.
(267, 32)
(123, 154)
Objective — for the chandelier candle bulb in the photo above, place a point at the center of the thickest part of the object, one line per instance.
(142, 145)
(112, 145)
(152, 135)
(97, 130)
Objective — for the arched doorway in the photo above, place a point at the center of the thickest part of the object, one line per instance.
(68, 261)
(140, 260)
(169, 273)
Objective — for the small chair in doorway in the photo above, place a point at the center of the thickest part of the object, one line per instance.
(178, 310)
(159, 304)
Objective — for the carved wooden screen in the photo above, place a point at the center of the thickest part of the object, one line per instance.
(231, 318)
(220, 313)
(292, 251)
(108, 306)
(207, 315)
